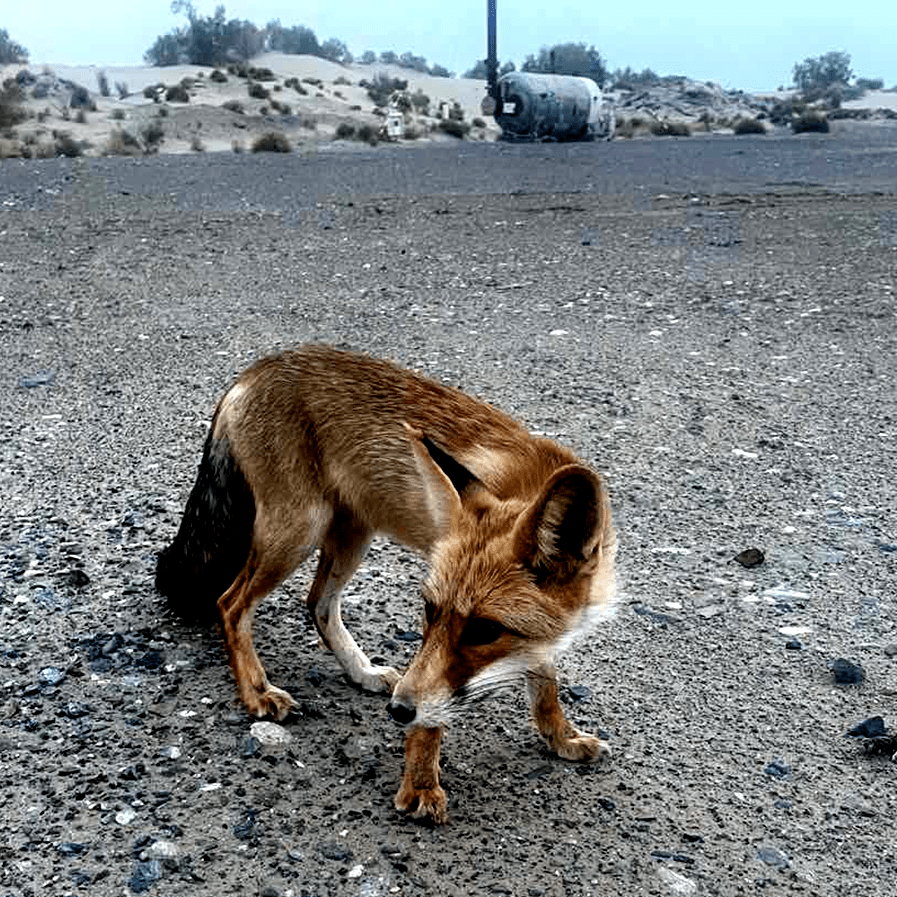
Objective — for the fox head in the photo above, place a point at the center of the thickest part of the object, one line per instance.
(510, 581)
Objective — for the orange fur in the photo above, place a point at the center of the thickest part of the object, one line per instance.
(334, 447)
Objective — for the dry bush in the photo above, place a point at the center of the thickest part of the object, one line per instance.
(811, 122)
(670, 129)
(258, 91)
(122, 143)
(234, 106)
(177, 93)
(749, 126)
(272, 142)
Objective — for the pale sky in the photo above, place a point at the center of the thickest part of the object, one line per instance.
(749, 46)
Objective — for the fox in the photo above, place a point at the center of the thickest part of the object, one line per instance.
(318, 449)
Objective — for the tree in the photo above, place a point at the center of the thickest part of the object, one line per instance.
(369, 57)
(568, 59)
(336, 51)
(10, 51)
(389, 57)
(478, 71)
(297, 39)
(821, 72)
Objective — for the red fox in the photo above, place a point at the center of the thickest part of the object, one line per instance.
(321, 449)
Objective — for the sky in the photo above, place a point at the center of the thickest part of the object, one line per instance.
(748, 46)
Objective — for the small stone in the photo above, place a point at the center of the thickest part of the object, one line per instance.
(750, 557)
(74, 710)
(331, 850)
(71, 848)
(161, 850)
(50, 676)
(270, 734)
(773, 857)
(676, 882)
(145, 875)
(355, 871)
(869, 728)
(778, 770)
(606, 803)
(409, 636)
(580, 692)
(171, 752)
(126, 816)
(891, 650)
(315, 677)
(42, 378)
(793, 644)
(847, 673)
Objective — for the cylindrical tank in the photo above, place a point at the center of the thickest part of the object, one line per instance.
(556, 107)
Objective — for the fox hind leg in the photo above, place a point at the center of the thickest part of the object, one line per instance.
(562, 737)
(342, 550)
(237, 608)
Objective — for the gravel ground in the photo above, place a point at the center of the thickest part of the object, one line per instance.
(711, 323)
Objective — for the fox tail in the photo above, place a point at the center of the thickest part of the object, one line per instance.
(214, 538)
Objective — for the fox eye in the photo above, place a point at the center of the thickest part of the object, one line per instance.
(481, 631)
(429, 612)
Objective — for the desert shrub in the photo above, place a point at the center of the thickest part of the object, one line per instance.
(294, 83)
(670, 129)
(810, 121)
(281, 108)
(234, 106)
(121, 88)
(818, 73)
(11, 149)
(261, 74)
(749, 126)
(338, 94)
(310, 123)
(865, 84)
(342, 79)
(10, 52)
(81, 117)
(122, 143)
(80, 99)
(162, 112)
(479, 123)
(152, 91)
(421, 102)
(196, 144)
(65, 145)
(177, 93)
(271, 142)
(11, 110)
(412, 132)
(355, 108)
(258, 91)
(237, 146)
(153, 134)
(383, 87)
(117, 115)
(455, 128)
(368, 134)
(315, 82)
(344, 131)
(218, 76)
(103, 84)
(569, 59)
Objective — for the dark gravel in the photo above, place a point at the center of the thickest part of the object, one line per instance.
(710, 322)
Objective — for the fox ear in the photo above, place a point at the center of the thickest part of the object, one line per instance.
(444, 478)
(557, 536)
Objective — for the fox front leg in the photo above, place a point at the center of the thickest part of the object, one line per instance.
(420, 793)
(562, 737)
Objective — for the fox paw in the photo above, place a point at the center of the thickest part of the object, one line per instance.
(270, 701)
(423, 803)
(379, 680)
(582, 747)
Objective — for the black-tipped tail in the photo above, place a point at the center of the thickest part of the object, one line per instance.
(214, 538)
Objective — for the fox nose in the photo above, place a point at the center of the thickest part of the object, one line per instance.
(401, 713)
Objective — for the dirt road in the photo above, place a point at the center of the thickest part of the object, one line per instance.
(711, 323)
